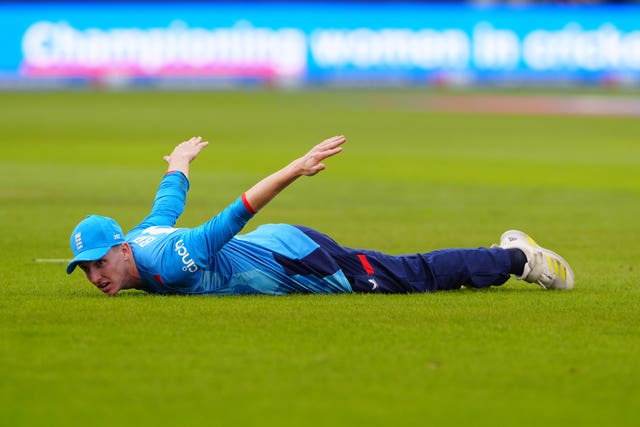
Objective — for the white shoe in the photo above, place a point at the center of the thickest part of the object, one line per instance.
(544, 267)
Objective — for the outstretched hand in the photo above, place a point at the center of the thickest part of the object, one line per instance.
(187, 150)
(184, 153)
(312, 162)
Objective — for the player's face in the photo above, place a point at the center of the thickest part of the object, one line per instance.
(109, 273)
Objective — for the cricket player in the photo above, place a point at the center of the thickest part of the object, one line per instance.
(280, 259)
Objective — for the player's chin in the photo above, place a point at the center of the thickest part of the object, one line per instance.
(110, 290)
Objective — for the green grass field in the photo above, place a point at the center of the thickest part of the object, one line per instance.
(408, 180)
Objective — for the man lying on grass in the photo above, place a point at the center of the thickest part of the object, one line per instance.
(279, 258)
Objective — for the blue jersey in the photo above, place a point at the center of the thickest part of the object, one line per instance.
(213, 259)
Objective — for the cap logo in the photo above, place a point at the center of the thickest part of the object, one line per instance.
(78, 240)
(116, 236)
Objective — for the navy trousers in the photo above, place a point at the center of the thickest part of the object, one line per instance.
(371, 271)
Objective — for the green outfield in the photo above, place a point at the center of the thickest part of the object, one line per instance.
(409, 180)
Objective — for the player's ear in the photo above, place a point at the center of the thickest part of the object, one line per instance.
(126, 250)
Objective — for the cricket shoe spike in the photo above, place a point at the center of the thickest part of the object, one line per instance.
(544, 267)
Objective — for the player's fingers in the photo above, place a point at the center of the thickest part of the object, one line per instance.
(329, 152)
(194, 140)
(327, 147)
(338, 139)
(333, 141)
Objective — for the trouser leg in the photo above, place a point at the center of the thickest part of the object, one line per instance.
(371, 271)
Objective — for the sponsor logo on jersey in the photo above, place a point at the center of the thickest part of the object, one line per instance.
(183, 252)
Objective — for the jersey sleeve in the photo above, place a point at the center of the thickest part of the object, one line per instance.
(169, 202)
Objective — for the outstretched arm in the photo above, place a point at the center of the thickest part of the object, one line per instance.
(172, 193)
(310, 164)
(184, 153)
